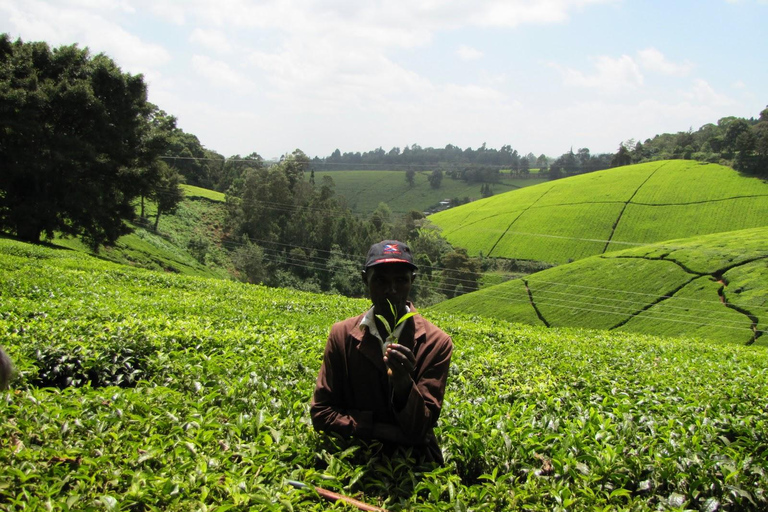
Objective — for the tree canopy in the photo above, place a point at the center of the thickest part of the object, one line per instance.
(738, 142)
(77, 142)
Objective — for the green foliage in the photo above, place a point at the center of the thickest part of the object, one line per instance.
(312, 241)
(740, 142)
(248, 260)
(215, 415)
(197, 219)
(397, 321)
(713, 287)
(435, 178)
(606, 211)
(192, 191)
(77, 143)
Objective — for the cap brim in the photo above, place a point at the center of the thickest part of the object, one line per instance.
(392, 260)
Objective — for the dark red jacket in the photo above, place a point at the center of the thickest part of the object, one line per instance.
(353, 392)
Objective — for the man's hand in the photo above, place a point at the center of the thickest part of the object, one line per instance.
(400, 363)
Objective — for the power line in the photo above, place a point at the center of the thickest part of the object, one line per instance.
(320, 263)
(602, 309)
(293, 208)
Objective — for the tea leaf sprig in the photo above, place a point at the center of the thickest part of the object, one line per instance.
(391, 328)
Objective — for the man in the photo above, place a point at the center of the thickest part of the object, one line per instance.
(6, 368)
(375, 386)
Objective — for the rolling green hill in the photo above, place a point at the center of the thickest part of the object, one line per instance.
(610, 210)
(713, 286)
(364, 190)
(143, 390)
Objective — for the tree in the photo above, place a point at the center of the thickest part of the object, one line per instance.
(524, 167)
(248, 260)
(294, 166)
(460, 274)
(410, 176)
(436, 178)
(542, 163)
(381, 218)
(73, 130)
(168, 193)
(734, 136)
(622, 157)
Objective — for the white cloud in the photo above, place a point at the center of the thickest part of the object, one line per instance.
(703, 94)
(653, 60)
(430, 13)
(505, 13)
(220, 73)
(212, 39)
(610, 75)
(172, 12)
(42, 21)
(468, 53)
(738, 84)
(100, 5)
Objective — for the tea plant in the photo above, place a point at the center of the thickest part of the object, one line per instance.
(572, 218)
(139, 390)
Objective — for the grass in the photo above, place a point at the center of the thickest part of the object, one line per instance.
(713, 286)
(198, 223)
(191, 191)
(364, 190)
(609, 210)
(142, 390)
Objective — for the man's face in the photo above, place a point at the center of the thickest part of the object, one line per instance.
(389, 282)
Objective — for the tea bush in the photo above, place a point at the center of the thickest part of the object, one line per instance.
(181, 393)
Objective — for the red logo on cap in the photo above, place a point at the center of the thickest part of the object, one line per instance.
(391, 249)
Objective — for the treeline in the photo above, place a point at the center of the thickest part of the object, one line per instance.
(733, 141)
(481, 165)
(415, 156)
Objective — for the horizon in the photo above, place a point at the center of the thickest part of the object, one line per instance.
(542, 77)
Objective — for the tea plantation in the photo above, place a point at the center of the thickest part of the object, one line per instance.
(713, 286)
(364, 190)
(611, 210)
(140, 390)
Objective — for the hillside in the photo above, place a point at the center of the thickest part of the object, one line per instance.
(187, 242)
(142, 390)
(713, 286)
(364, 190)
(572, 218)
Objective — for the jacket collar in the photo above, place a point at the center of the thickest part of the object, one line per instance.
(370, 346)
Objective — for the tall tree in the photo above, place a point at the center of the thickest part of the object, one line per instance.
(622, 157)
(410, 176)
(168, 193)
(73, 128)
(435, 178)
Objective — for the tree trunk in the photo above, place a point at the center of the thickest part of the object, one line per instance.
(157, 218)
(29, 232)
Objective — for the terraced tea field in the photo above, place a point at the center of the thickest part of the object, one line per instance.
(570, 219)
(714, 286)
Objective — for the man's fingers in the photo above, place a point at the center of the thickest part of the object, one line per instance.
(396, 359)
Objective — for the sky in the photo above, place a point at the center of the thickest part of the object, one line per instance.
(272, 76)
